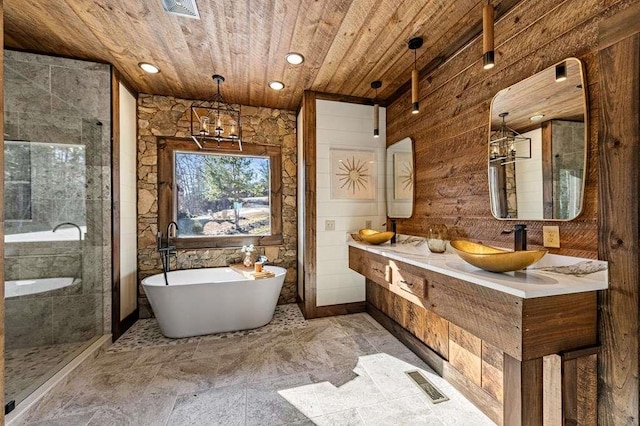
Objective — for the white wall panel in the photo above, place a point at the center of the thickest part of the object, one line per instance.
(344, 126)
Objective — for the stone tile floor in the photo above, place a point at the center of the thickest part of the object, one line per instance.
(343, 370)
(27, 368)
(146, 332)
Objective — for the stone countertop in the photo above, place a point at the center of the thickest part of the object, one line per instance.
(527, 283)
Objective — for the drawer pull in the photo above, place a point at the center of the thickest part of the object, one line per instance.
(406, 282)
(377, 270)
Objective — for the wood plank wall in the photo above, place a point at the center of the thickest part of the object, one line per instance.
(619, 150)
(308, 304)
(451, 131)
(450, 136)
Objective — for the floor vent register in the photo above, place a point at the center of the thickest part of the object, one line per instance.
(435, 395)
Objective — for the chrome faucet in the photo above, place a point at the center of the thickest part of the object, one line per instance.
(520, 237)
(69, 224)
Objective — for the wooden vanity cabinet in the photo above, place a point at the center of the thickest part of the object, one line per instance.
(411, 283)
(494, 347)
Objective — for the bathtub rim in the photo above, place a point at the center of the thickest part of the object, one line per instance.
(280, 271)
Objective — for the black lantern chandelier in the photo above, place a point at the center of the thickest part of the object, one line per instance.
(508, 146)
(216, 124)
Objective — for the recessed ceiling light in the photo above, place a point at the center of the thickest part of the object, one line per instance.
(276, 85)
(536, 117)
(561, 72)
(294, 58)
(150, 68)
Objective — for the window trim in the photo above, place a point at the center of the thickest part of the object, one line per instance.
(166, 196)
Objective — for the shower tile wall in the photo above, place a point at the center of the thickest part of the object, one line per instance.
(568, 161)
(61, 101)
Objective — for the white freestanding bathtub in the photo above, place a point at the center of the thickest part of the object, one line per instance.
(212, 300)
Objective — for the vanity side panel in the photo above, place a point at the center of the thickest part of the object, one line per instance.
(558, 323)
(491, 315)
(465, 353)
(436, 332)
(416, 320)
(492, 371)
(523, 404)
(398, 309)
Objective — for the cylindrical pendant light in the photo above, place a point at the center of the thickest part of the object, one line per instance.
(415, 44)
(415, 103)
(376, 109)
(488, 57)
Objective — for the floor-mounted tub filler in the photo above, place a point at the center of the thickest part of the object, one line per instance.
(212, 300)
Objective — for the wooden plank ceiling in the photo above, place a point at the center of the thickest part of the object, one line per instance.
(347, 43)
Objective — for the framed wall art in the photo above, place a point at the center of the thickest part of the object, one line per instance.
(353, 174)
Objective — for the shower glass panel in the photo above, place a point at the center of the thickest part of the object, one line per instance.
(57, 222)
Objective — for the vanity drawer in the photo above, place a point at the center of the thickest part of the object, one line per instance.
(412, 283)
(378, 271)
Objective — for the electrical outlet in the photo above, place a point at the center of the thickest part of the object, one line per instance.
(367, 224)
(329, 225)
(551, 236)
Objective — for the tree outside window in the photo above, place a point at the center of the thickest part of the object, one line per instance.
(222, 195)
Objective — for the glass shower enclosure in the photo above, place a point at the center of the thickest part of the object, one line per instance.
(57, 200)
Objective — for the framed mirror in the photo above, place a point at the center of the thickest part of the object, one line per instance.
(537, 152)
(400, 180)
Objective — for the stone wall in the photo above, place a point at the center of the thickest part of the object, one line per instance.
(163, 116)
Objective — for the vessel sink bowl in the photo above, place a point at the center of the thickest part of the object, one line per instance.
(374, 237)
(493, 259)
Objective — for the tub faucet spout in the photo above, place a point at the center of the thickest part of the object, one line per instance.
(60, 225)
(173, 225)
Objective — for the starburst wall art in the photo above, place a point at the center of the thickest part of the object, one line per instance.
(353, 175)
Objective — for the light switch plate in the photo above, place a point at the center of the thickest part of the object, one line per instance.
(551, 236)
(329, 225)
(367, 224)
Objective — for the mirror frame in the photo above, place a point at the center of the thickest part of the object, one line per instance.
(586, 141)
(387, 174)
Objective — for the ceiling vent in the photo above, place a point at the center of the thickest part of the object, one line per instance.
(184, 8)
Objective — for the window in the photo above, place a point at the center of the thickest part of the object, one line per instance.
(220, 198)
(222, 194)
